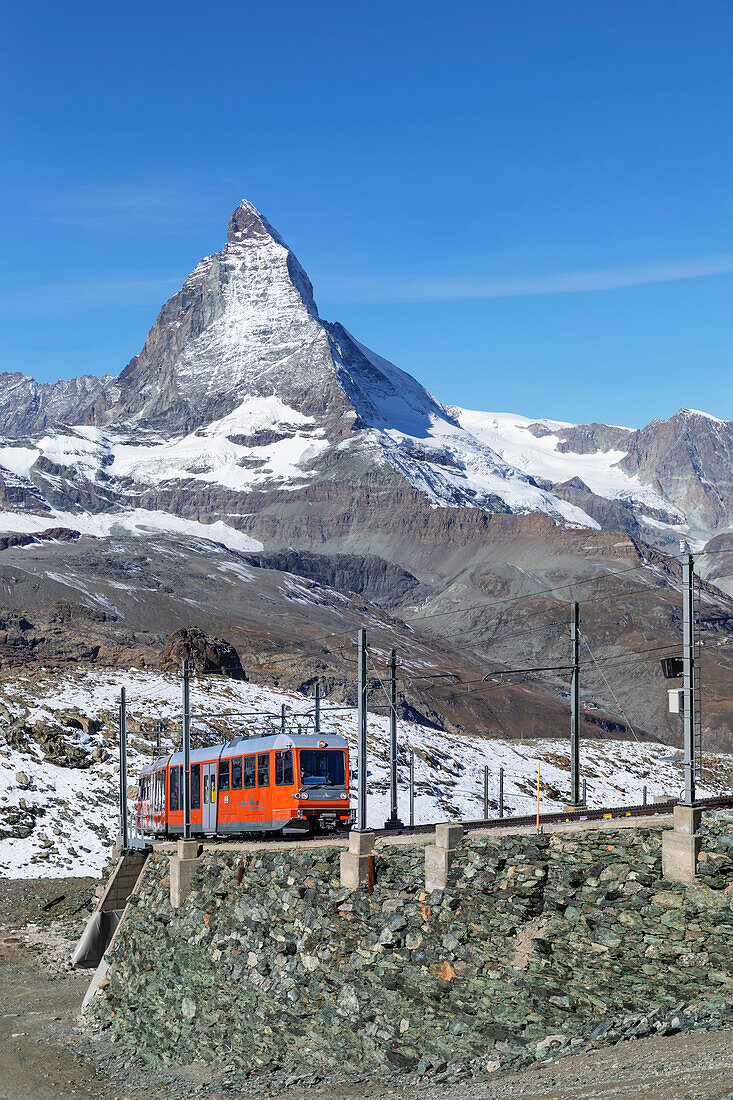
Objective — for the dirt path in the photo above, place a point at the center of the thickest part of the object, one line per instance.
(676, 1067)
(41, 995)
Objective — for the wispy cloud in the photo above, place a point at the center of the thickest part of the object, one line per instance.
(127, 205)
(395, 290)
(121, 290)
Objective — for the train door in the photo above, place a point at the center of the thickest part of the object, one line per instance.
(263, 813)
(208, 798)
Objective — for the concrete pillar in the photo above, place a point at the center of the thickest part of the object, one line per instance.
(573, 807)
(183, 867)
(681, 845)
(439, 856)
(357, 864)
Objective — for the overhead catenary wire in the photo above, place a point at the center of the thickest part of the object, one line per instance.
(613, 693)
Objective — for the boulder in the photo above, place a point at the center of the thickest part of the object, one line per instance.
(203, 653)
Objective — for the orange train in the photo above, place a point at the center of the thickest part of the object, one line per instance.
(289, 783)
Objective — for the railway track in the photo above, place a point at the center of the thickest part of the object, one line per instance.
(603, 813)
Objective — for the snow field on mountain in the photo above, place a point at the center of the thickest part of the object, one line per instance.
(453, 468)
(136, 521)
(508, 435)
(78, 823)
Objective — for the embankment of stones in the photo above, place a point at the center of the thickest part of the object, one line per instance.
(537, 944)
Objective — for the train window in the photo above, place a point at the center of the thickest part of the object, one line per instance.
(195, 786)
(284, 768)
(325, 767)
(237, 773)
(263, 769)
(248, 776)
(223, 775)
(173, 794)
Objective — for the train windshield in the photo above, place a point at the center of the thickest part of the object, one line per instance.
(325, 767)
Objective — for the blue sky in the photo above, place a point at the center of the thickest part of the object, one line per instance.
(528, 205)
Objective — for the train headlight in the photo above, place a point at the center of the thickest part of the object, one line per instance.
(304, 795)
(343, 795)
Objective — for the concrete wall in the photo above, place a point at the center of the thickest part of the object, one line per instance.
(122, 881)
(537, 943)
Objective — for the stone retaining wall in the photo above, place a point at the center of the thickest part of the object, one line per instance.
(537, 944)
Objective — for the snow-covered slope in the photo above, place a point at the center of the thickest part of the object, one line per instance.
(537, 453)
(74, 810)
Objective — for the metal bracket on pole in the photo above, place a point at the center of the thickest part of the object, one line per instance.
(124, 837)
(393, 822)
(361, 786)
(186, 739)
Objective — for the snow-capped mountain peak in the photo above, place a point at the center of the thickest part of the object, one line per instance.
(242, 388)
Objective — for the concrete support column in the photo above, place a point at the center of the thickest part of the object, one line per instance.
(183, 867)
(681, 845)
(439, 856)
(357, 864)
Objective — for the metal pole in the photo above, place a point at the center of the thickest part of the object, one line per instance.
(584, 793)
(361, 787)
(186, 739)
(575, 706)
(501, 792)
(486, 792)
(688, 678)
(394, 821)
(643, 792)
(282, 718)
(124, 837)
(317, 711)
(157, 738)
(412, 787)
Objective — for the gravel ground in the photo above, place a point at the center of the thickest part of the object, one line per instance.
(41, 1044)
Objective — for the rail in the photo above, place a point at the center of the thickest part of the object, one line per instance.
(603, 813)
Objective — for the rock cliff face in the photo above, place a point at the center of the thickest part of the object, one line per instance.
(27, 406)
(689, 460)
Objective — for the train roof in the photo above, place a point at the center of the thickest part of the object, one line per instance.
(244, 746)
